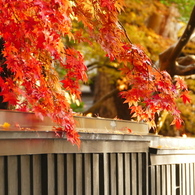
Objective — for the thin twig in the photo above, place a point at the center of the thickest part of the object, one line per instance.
(125, 32)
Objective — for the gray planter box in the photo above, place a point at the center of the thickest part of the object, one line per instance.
(28, 121)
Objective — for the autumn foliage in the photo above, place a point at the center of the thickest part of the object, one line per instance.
(34, 33)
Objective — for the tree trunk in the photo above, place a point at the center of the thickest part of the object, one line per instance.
(102, 87)
(111, 104)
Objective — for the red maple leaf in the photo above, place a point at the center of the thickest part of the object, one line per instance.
(177, 122)
(185, 97)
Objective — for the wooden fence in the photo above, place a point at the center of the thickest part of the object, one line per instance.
(41, 164)
(172, 172)
(73, 174)
(109, 164)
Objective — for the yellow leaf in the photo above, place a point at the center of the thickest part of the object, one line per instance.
(5, 125)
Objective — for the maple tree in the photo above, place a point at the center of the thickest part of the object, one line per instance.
(34, 34)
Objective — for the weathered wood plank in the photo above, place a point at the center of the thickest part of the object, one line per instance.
(191, 177)
(50, 174)
(134, 172)
(163, 176)
(183, 179)
(120, 177)
(70, 174)
(177, 175)
(127, 177)
(194, 176)
(180, 180)
(152, 180)
(25, 174)
(36, 172)
(87, 173)
(60, 175)
(2, 173)
(113, 173)
(168, 178)
(158, 180)
(79, 174)
(187, 175)
(12, 164)
(145, 172)
(95, 170)
(173, 180)
(140, 176)
(106, 173)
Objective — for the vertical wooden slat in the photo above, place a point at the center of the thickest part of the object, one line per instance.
(70, 174)
(173, 179)
(106, 173)
(113, 186)
(168, 178)
(191, 178)
(140, 177)
(177, 175)
(120, 177)
(127, 173)
(95, 170)
(187, 179)
(2, 173)
(79, 174)
(183, 179)
(134, 173)
(145, 175)
(194, 176)
(12, 175)
(163, 180)
(60, 174)
(50, 174)
(152, 180)
(87, 173)
(36, 174)
(158, 180)
(180, 180)
(25, 174)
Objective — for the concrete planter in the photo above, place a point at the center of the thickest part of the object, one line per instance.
(28, 121)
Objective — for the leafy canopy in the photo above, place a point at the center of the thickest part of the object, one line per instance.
(34, 32)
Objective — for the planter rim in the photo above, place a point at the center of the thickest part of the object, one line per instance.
(28, 120)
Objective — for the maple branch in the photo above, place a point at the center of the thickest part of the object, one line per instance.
(125, 32)
(184, 70)
(92, 64)
(185, 65)
(99, 102)
(97, 65)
